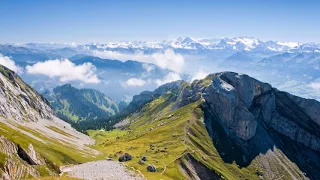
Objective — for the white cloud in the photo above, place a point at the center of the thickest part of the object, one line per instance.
(134, 82)
(65, 70)
(315, 85)
(148, 67)
(169, 59)
(168, 78)
(200, 75)
(9, 63)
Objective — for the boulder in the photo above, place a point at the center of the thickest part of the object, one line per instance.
(152, 168)
(144, 158)
(125, 157)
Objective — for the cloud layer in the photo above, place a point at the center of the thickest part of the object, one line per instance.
(134, 82)
(315, 85)
(200, 75)
(168, 78)
(167, 60)
(9, 63)
(65, 70)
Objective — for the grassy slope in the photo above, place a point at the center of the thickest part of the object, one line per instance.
(168, 144)
(56, 153)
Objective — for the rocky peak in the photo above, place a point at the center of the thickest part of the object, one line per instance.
(240, 103)
(20, 102)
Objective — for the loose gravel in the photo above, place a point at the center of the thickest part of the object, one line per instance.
(100, 170)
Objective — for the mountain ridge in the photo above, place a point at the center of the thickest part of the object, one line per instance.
(230, 116)
(75, 105)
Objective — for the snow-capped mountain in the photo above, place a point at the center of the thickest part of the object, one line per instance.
(193, 44)
(182, 45)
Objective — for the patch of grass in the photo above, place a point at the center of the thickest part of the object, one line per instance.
(57, 130)
(106, 135)
(3, 158)
(44, 171)
(4, 71)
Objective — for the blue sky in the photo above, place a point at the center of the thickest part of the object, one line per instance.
(84, 21)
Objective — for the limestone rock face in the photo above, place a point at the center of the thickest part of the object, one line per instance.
(20, 102)
(309, 106)
(15, 167)
(230, 104)
(240, 103)
(34, 156)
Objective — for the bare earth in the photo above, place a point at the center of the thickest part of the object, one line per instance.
(100, 170)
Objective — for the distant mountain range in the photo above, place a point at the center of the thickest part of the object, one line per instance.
(289, 66)
(188, 44)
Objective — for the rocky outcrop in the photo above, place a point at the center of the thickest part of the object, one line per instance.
(16, 166)
(20, 102)
(125, 157)
(30, 155)
(152, 168)
(240, 102)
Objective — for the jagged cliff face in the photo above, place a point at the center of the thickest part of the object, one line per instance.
(240, 102)
(20, 102)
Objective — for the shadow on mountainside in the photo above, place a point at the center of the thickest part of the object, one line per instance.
(232, 149)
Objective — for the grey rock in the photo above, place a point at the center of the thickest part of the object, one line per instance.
(144, 158)
(20, 102)
(239, 102)
(152, 168)
(14, 161)
(125, 157)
